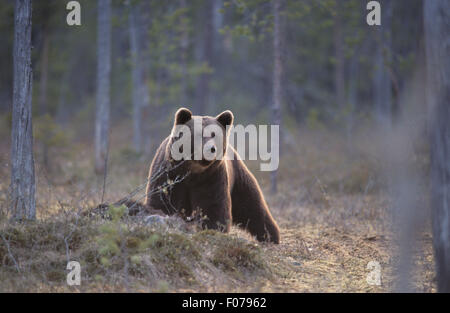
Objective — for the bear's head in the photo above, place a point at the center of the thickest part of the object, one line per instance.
(201, 140)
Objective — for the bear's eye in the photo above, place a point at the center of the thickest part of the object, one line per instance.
(181, 149)
(213, 134)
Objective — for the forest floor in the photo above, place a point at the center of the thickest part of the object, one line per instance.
(333, 217)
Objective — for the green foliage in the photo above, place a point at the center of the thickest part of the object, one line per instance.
(118, 244)
(111, 235)
(252, 19)
(240, 73)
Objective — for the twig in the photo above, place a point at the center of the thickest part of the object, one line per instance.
(161, 170)
(177, 179)
(67, 248)
(10, 254)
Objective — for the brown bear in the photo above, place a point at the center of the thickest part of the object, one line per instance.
(223, 189)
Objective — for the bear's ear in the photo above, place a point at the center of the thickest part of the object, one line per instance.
(182, 116)
(225, 118)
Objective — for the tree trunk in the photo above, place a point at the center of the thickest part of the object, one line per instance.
(207, 58)
(339, 74)
(437, 39)
(217, 59)
(277, 72)
(382, 79)
(103, 84)
(353, 88)
(352, 97)
(140, 90)
(43, 83)
(184, 43)
(23, 205)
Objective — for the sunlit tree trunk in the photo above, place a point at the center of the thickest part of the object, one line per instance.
(437, 39)
(103, 84)
(23, 204)
(277, 72)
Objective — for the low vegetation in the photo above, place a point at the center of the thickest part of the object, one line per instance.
(332, 210)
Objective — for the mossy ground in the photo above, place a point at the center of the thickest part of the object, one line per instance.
(331, 209)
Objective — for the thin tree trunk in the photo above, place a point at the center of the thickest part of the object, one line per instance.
(23, 205)
(103, 84)
(437, 38)
(339, 74)
(277, 72)
(352, 97)
(207, 57)
(184, 43)
(353, 87)
(382, 79)
(217, 22)
(140, 90)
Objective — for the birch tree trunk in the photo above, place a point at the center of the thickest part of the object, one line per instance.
(103, 84)
(23, 204)
(437, 40)
(277, 72)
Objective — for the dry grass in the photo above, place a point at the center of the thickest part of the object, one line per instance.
(331, 207)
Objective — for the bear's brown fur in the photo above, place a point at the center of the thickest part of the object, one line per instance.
(225, 191)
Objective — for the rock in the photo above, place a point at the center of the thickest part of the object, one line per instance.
(152, 220)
